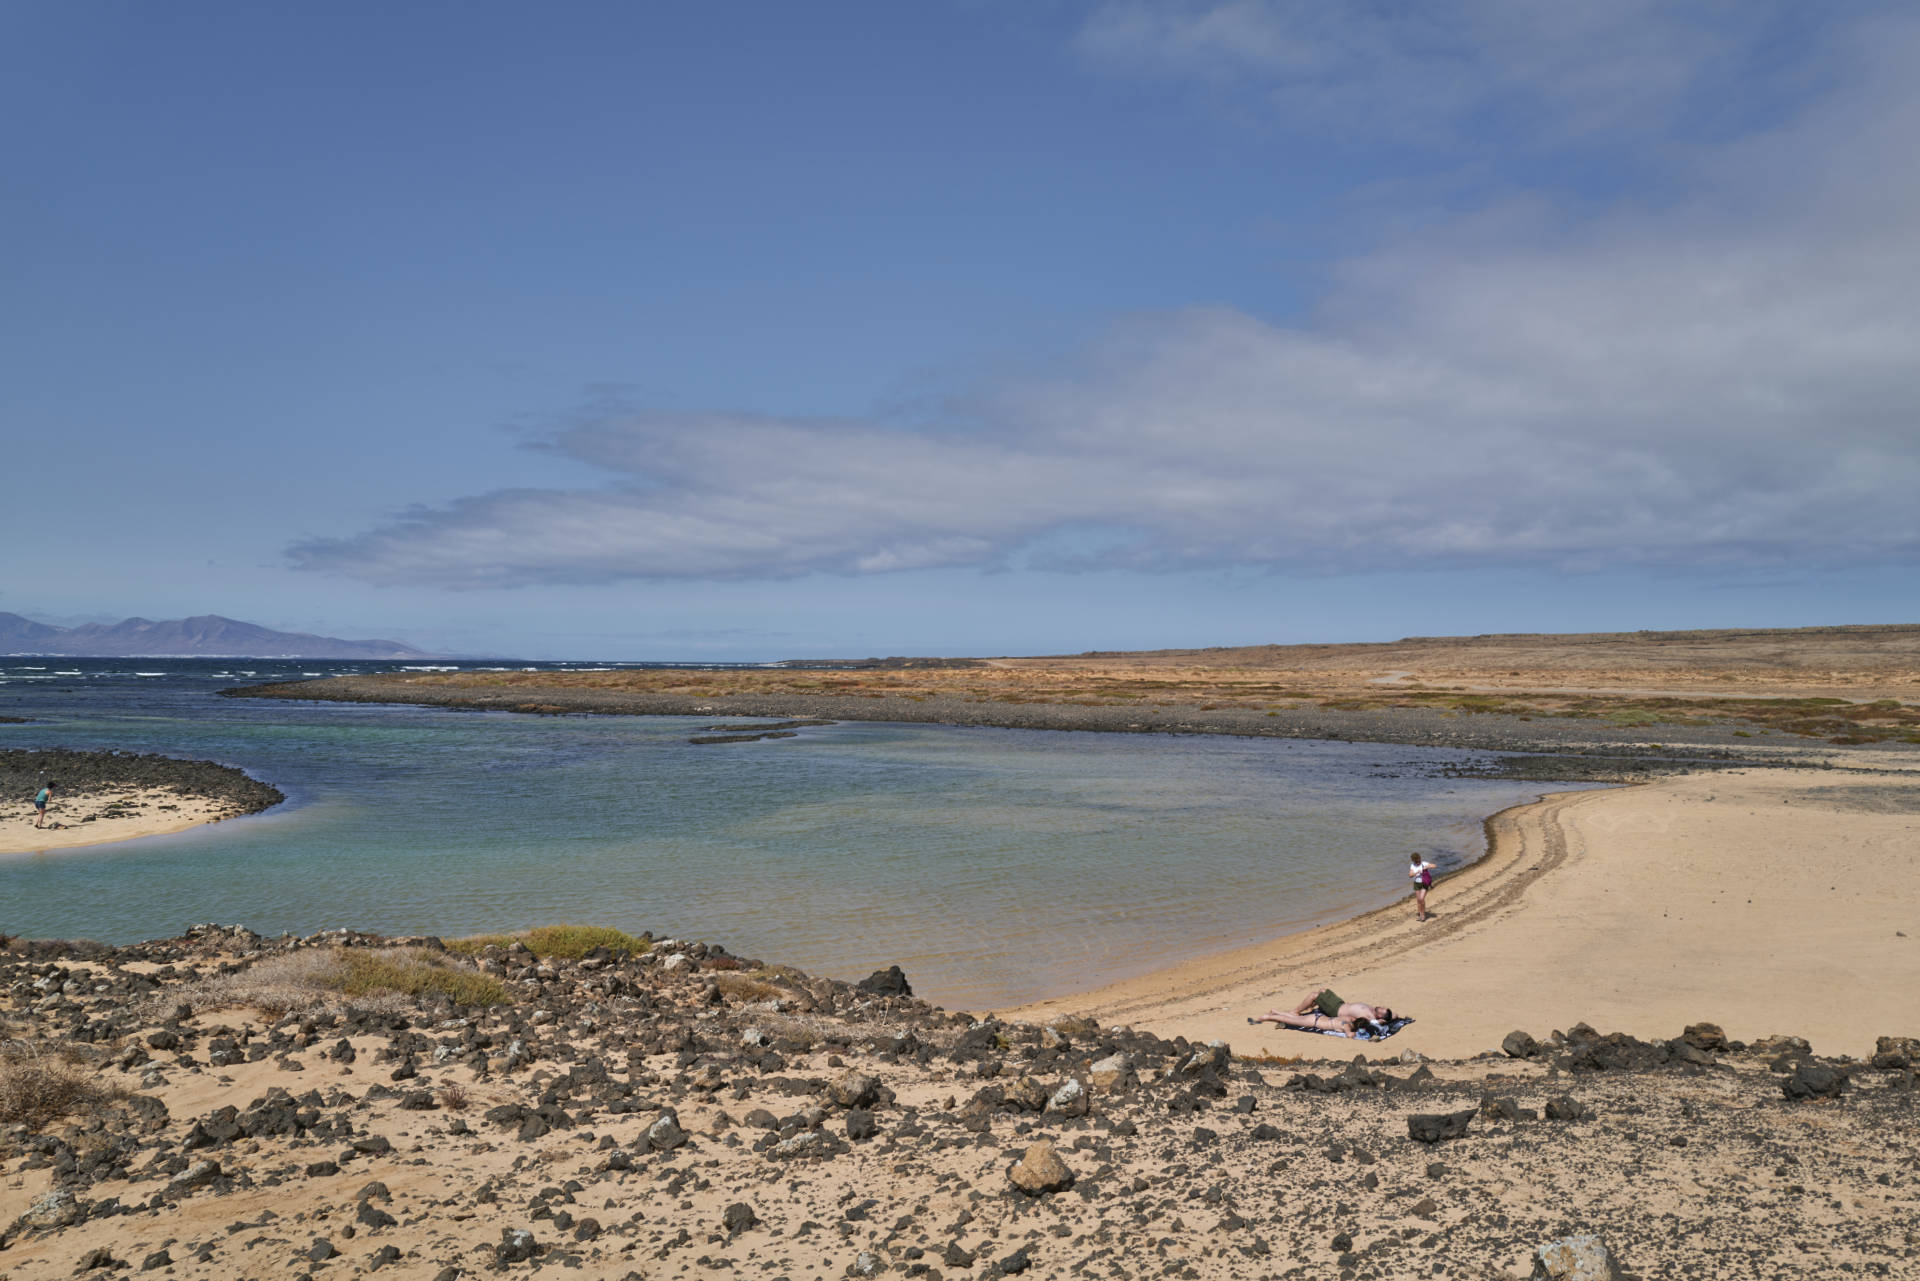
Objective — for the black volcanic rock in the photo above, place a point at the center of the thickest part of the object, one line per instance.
(888, 982)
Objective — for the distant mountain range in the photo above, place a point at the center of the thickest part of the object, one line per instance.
(207, 636)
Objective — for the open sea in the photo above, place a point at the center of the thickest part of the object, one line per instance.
(995, 866)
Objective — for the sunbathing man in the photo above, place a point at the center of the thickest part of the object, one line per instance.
(1326, 1012)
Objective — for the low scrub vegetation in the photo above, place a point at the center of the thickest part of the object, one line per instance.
(746, 987)
(389, 979)
(416, 973)
(39, 1085)
(566, 942)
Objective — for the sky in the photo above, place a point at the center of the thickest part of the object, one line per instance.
(751, 331)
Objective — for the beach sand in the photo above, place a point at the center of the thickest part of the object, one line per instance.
(120, 814)
(1766, 901)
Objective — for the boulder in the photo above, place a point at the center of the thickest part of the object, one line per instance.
(516, 1246)
(1499, 1108)
(1520, 1045)
(1705, 1036)
(888, 982)
(1614, 1052)
(1069, 1100)
(1111, 1073)
(197, 1175)
(1575, 1258)
(1026, 1095)
(854, 1090)
(1792, 1046)
(1432, 1127)
(56, 1209)
(1040, 1171)
(1896, 1052)
(665, 1133)
(807, 1143)
(1812, 1080)
(1215, 1056)
(1684, 1051)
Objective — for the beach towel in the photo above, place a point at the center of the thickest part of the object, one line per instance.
(1386, 1030)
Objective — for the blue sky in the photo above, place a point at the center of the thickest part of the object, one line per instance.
(770, 330)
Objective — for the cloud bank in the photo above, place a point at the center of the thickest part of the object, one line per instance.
(1727, 378)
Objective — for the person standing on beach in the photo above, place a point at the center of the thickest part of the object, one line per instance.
(40, 800)
(1422, 874)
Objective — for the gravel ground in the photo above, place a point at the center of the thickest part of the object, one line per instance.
(686, 1114)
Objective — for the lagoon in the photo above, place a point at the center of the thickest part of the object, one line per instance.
(995, 866)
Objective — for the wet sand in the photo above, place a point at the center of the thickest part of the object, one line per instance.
(1766, 901)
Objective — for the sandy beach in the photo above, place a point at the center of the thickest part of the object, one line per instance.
(1763, 900)
(102, 797)
(110, 814)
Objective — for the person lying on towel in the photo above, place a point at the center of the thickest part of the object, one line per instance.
(1326, 1012)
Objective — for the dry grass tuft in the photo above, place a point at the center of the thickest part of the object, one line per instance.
(388, 981)
(743, 987)
(39, 1085)
(454, 1097)
(565, 942)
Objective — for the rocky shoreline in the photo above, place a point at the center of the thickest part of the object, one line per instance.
(89, 776)
(1546, 749)
(676, 1111)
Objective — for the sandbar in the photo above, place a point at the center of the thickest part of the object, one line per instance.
(120, 814)
(1764, 900)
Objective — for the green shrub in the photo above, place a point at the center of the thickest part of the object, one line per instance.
(567, 942)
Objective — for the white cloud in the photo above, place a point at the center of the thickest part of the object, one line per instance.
(1418, 69)
(1726, 379)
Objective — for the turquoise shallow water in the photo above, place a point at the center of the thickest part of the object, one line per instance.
(994, 866)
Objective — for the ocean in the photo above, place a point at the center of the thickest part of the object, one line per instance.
(995, 866)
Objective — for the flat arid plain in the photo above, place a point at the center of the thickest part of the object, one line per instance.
(1860, 684)
(1663, 1029)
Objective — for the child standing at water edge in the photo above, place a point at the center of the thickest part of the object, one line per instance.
(40, 800)
(1422, 874)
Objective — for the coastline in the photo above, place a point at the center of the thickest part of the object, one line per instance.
(1766, 902)
(1561, 749)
